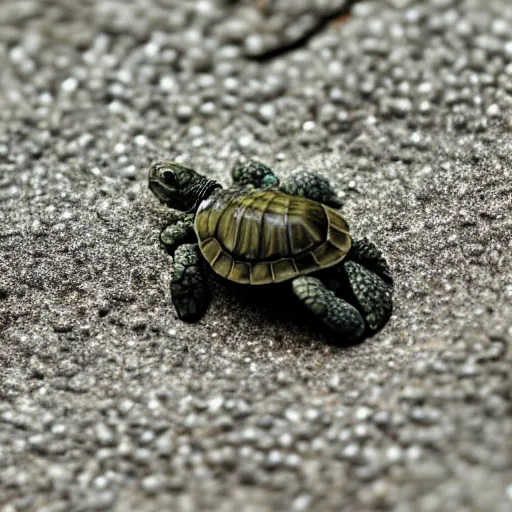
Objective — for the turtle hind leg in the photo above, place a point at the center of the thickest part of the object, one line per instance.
(189, 287)
(254, 174)
(367, 254)
(371, 294)
(313, 186)
(337, 314)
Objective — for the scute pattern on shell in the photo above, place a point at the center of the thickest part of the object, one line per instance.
(266, 236)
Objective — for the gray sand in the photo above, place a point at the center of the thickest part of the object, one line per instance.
(108, 402)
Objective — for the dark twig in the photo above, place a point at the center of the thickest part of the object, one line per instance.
(319, 26)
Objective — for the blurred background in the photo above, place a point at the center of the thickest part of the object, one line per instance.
(108, 402)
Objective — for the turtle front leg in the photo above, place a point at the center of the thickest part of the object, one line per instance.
(254, 174)
(189, 287)
(337, 314)
(178, 233)
(313, 186)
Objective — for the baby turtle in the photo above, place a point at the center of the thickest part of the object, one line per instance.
(261, 232)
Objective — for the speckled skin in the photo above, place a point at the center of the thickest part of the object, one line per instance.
(312, 185)
(179, 233)
(352, 298)
(302, 183)
(254, 174)
(189, 288)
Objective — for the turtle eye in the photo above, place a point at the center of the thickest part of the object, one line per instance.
(169, 178)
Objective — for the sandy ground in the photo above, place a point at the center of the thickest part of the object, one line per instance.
(108, 402)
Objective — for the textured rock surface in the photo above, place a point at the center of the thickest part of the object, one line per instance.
(107, 402)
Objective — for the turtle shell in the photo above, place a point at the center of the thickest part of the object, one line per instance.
(265, 236)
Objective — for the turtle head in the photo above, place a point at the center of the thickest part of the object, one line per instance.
(178, 186)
